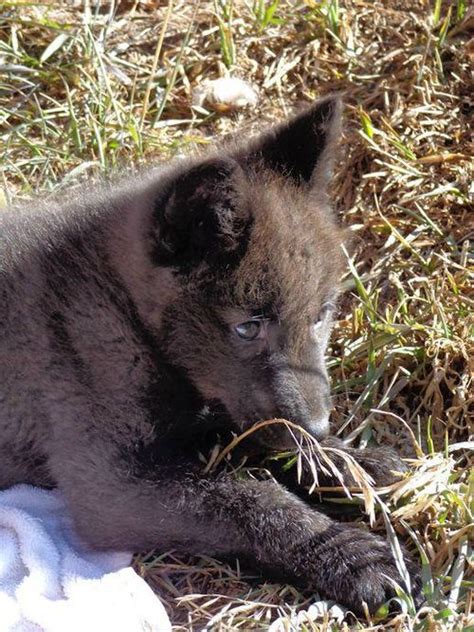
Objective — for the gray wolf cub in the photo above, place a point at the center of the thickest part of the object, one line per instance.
(139, 318)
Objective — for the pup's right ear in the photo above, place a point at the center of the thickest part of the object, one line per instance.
(202, 217)
(300, 149)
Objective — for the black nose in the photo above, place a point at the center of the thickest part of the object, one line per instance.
(280, 436)
(319, 427)
(312, 416)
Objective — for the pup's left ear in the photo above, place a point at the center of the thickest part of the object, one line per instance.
(302, 148)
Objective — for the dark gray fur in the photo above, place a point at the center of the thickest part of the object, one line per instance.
(118, 355)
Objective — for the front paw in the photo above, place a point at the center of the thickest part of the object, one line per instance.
(354, 567)
(383, 464)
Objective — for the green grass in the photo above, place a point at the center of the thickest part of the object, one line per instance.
(90, 90)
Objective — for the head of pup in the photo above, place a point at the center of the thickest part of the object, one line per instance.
(255, 252)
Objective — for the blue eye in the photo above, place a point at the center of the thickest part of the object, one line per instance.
(249, 330)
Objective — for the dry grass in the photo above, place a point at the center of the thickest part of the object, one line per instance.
(86, 88)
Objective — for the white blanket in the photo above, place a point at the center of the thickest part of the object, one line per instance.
(51, 582)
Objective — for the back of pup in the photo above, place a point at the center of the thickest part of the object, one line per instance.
(23, 348)
(49, 254)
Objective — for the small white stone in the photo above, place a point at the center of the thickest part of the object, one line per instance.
(227, 93)
(318, 609)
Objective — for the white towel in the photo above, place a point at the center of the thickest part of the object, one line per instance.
(50, 581)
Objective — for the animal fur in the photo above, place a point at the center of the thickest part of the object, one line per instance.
(120, 354)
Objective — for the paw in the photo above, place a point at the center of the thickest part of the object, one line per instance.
(383, 464)
(354, 567)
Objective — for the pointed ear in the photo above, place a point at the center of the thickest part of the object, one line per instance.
(302, 148)
(202, 217)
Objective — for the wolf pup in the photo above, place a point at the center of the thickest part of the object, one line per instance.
(138, 318)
